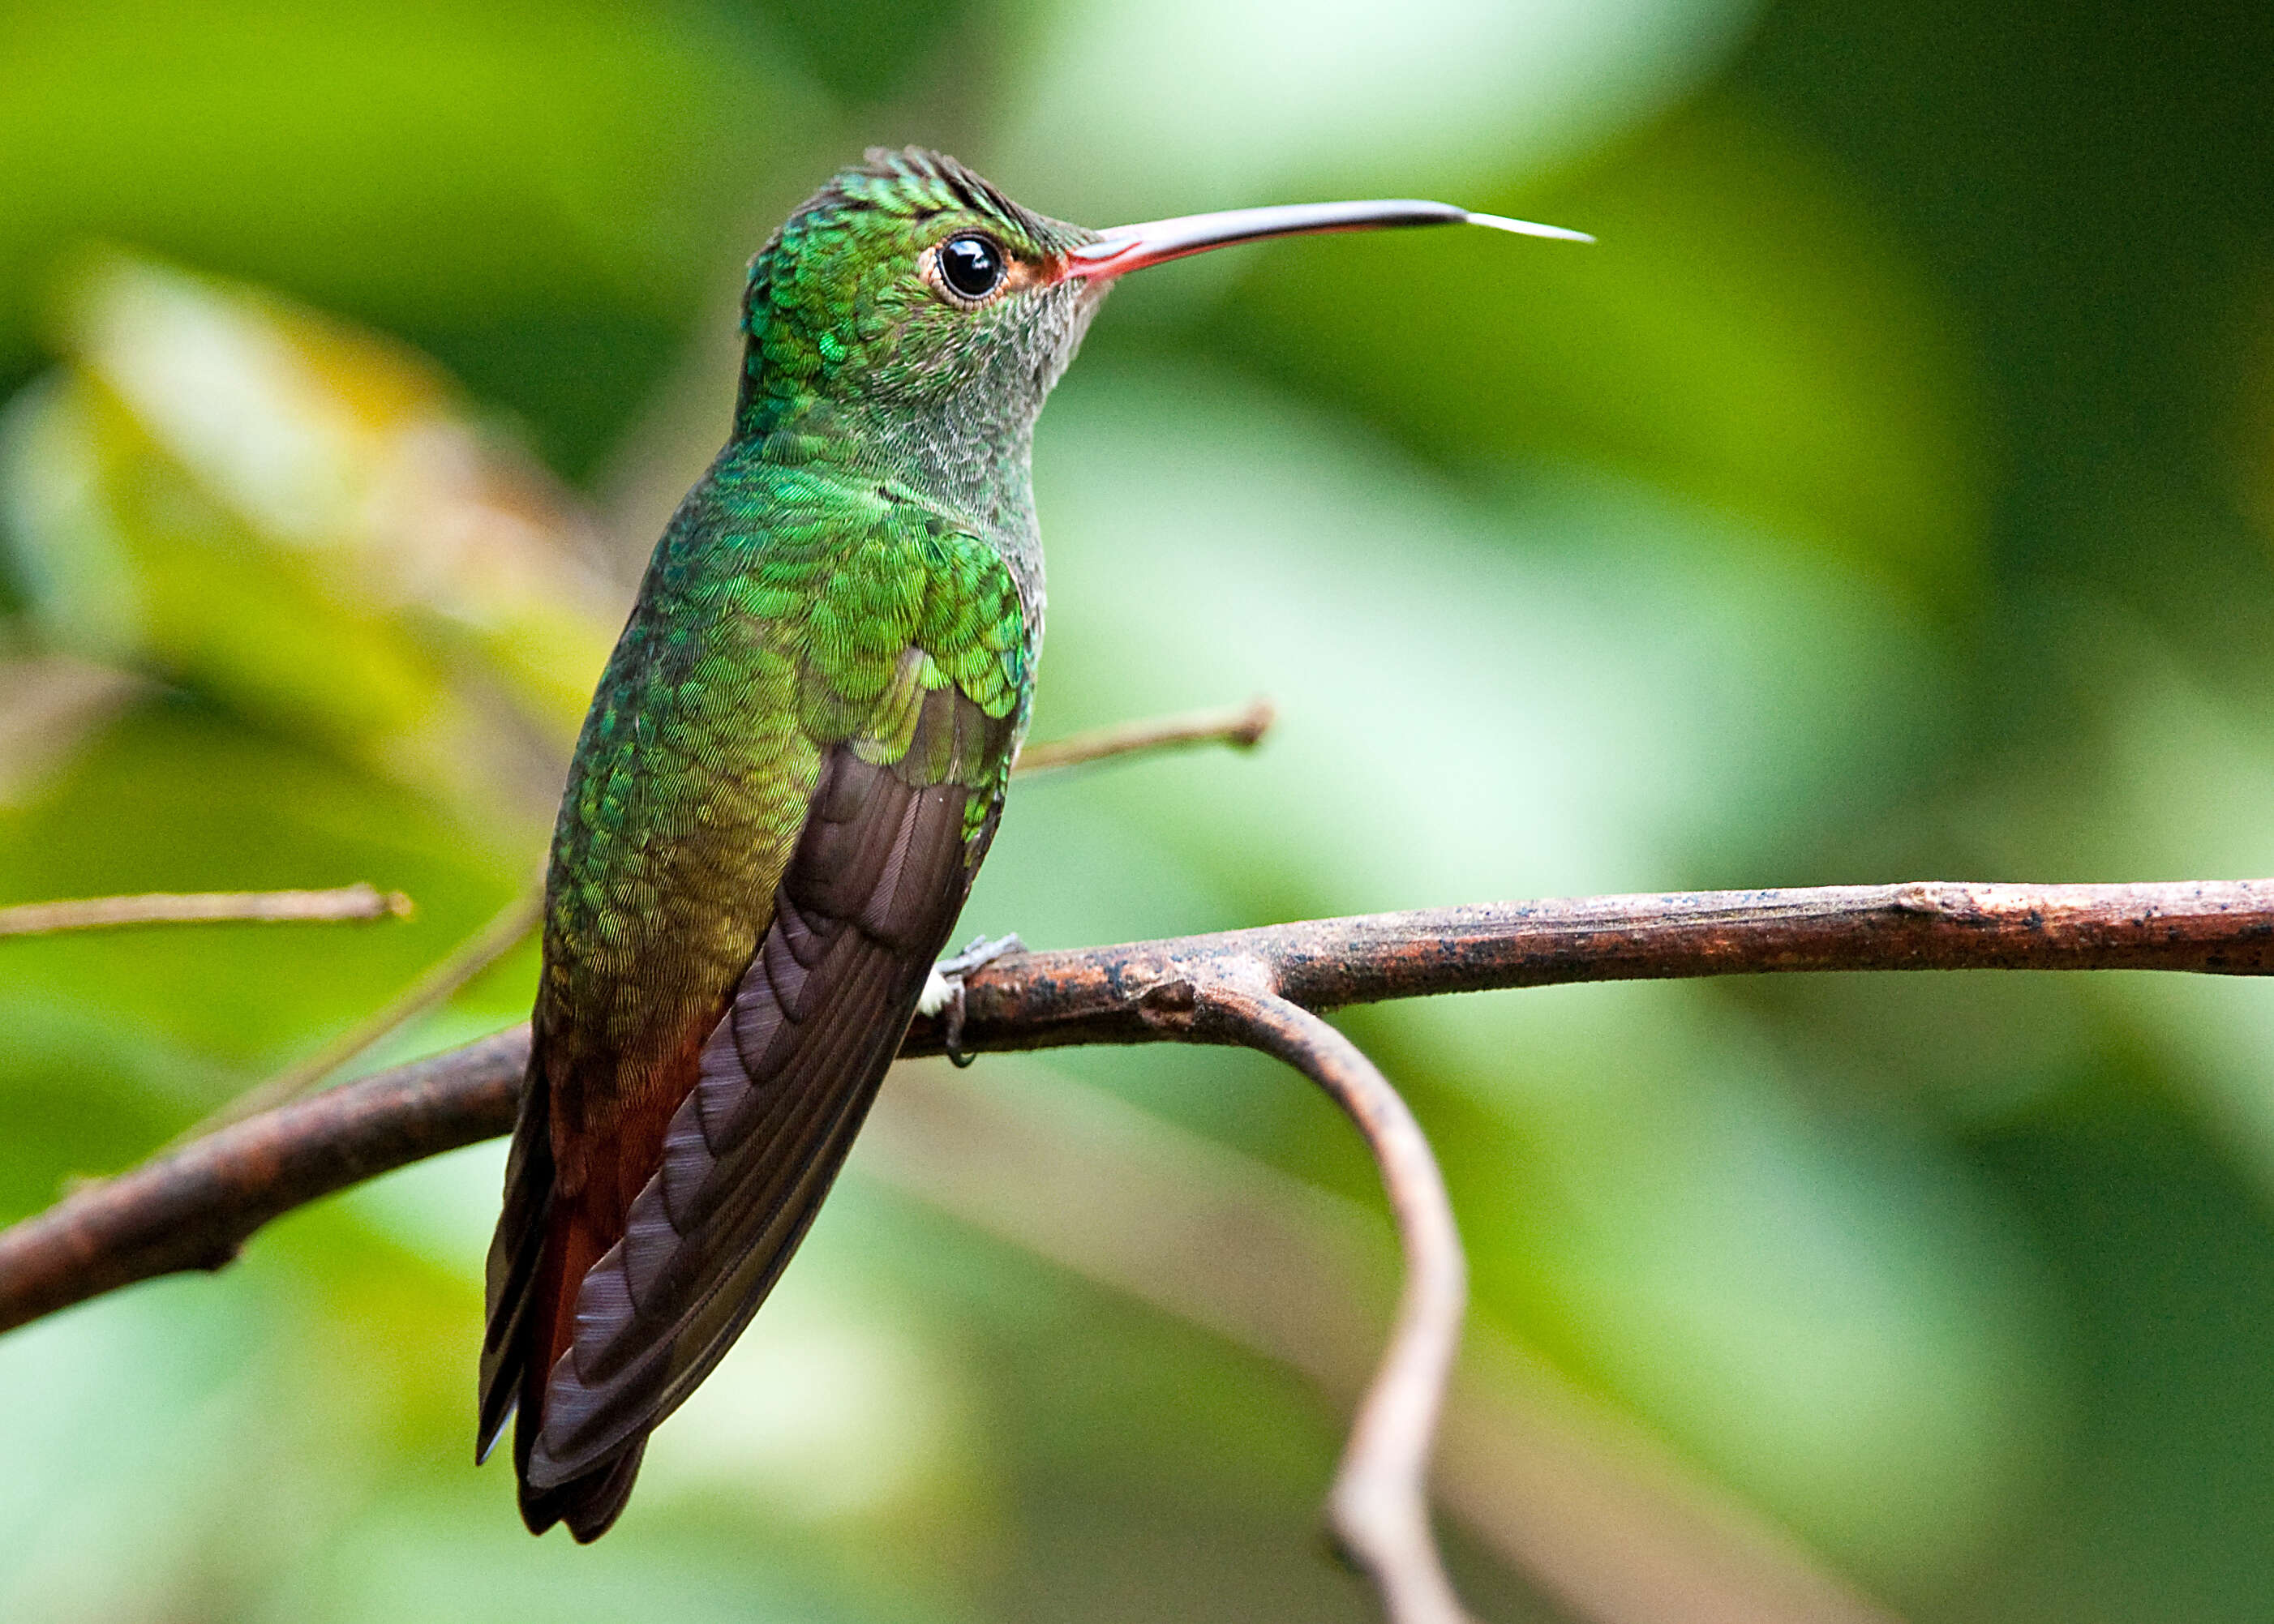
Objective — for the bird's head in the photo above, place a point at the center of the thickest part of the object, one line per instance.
(909, 285)
(911, 300)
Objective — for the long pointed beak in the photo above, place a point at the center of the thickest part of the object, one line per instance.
(1122, 249)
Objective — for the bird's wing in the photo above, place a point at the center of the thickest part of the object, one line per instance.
(783, 1084)
(615, 1302)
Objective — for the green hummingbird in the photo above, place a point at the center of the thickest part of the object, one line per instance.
(792, 765)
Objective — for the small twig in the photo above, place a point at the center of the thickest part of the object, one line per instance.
(1242, 728)
(348, 902)
(1379, 1510)
(440, 981)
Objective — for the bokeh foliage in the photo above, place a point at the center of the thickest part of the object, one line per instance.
(1889, 495)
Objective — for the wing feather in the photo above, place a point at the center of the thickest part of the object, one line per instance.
(784, 1081)
(516, 1251)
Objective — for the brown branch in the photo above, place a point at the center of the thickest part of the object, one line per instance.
(1379, 1507)
(1242, 728)
(348, 902)
(194, 1208)
(1101, 995)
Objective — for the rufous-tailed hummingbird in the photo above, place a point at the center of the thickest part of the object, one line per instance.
(793, 763)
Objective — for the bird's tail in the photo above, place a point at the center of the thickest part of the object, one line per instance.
(588, 1504)
(535, 1264)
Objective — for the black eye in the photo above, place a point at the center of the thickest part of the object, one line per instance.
(972, 266)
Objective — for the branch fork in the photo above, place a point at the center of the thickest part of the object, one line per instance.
(1378, 1509)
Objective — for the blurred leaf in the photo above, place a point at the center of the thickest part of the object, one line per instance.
(49, 707)
(2166, 1261)
(107, 1512)
(1570, 688)
(237, 495)
(1830, 1312)
(542, 184)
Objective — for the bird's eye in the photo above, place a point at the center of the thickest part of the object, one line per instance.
(971, 267)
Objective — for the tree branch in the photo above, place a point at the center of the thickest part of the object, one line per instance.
(1242, 728)
(195, 1207)
(1380, 1506)
(348, 902)
(1102, 994)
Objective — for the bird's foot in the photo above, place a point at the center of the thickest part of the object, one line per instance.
(943, 992)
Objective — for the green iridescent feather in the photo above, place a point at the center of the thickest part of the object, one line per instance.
(772, 623)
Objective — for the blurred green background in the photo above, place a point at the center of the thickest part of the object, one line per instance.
(1888, 496)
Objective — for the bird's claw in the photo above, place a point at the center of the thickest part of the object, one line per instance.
(943, 993)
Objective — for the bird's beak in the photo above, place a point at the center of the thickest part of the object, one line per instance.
(1122, 249)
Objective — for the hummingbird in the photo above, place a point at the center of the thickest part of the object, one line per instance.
(793, 763)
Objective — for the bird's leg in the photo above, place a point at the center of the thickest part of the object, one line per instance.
(943, 993)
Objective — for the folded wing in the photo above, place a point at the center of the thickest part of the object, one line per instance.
(775, 1095)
